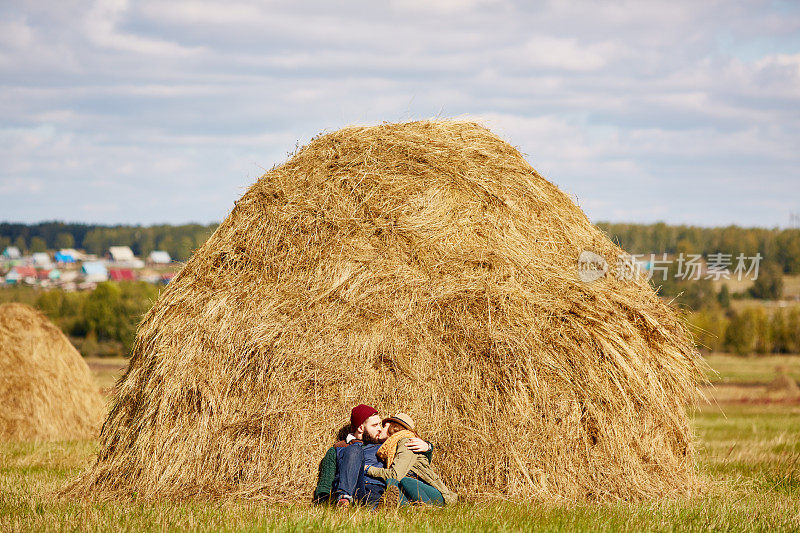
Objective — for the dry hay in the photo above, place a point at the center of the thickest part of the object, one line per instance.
(422, 267)
(783, 383)
(46, 389)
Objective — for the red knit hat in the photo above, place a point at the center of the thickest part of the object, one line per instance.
(359, 414)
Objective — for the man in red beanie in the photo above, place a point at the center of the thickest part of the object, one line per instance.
(341, 473)
(365, 420)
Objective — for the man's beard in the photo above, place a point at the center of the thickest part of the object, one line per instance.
(371, 440)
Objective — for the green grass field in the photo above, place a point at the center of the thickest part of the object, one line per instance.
(748, 455)
(750, 369)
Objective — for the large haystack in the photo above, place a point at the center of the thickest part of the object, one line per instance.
(423, 267)
(46, 389)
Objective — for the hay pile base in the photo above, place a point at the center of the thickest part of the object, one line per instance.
(46, 389)
(422, 267)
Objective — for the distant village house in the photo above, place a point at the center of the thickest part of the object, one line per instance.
(94, 271)
(159, 257)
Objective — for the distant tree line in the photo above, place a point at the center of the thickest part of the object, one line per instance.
(100, 322)
(179, 241)
(697, 294)
(778, 246)
(718, 326)
(751, 330)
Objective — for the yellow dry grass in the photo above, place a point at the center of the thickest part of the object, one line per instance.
(46, 389)
(422, 267)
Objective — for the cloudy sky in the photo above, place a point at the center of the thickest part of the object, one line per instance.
(146, 112)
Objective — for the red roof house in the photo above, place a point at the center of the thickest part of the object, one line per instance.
(121, 274)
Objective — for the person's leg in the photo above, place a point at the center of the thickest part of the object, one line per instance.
(373, 492)
(417, 491)
(349, 480)
(403, 499)
(393, 497)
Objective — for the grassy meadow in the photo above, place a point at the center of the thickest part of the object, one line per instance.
(748, 451)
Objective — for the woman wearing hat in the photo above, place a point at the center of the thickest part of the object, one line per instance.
(417, 479)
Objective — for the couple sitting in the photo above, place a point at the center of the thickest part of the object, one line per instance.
(380, 462)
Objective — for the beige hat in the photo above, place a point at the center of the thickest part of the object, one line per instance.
(402, 419)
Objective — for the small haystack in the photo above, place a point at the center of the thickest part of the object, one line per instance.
(783, 383)
(46, 389)
(422, 267)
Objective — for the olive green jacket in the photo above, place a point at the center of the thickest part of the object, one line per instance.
(417, 464)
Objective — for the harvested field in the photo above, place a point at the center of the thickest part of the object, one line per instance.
(747, 454)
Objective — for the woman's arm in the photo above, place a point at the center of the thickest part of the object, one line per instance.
(403, 461)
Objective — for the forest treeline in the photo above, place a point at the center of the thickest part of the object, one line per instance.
(747, 331)
(777, 246)
(760, 325)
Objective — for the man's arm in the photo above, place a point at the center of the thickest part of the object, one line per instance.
(327, 472)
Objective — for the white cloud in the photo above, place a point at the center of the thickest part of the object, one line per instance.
(27, 186)
(567, 54)
(214, 13)
(439, 6)
(101, 27)
(621, 105)
(15, 34)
